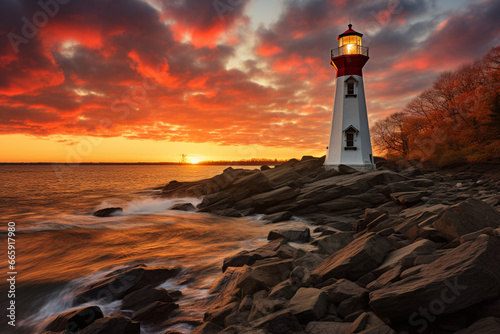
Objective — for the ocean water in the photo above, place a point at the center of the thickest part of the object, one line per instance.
(60, 246)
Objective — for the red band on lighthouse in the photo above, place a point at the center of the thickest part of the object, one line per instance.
(349, 64)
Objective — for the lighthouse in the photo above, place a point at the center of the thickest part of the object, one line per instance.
(350, 136)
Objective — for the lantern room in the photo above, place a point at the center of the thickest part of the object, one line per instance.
(350, 43)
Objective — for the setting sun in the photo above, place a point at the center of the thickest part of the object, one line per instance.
(194, 161)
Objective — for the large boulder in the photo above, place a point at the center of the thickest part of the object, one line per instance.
(249, 257)
(308, 304)
(465, 276)
(329, 244)
(356, 259)
(155, 312)
(144, 297)
(344, 289)
(119, 283)
(277, 323)
(282, 176)
(466, 217)
(262, 201)
(490, 325)
(112, 325)
(250, 185)
(342, 185)
(75, 320)
(265, 275)
(225, 289)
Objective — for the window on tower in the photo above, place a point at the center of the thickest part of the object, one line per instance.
(350, 88)
(350, 134)
(350, 139)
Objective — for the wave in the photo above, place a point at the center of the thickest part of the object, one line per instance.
(154, 205)
(139, 206)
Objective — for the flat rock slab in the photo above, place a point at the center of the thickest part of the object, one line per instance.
(356, 259)
(112, 325)
(465, 276)
(299, 234)
(466, 217)
(260, 202)
(119, 283)
(320, 327)
(396, 257)
(409, 198)
(249, 257)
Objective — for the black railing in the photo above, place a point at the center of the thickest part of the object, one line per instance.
(352, 50)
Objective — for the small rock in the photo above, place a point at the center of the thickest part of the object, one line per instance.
(296, 234)
(108, 212)
(183, 207)
(278, 217)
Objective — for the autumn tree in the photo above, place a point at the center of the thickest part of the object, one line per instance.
(390, 136)
(458, 119)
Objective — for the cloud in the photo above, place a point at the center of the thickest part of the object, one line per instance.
(159, 69)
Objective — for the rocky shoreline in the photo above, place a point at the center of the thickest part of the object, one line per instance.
(410, 251)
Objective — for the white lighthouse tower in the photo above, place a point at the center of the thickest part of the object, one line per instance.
(350, 136)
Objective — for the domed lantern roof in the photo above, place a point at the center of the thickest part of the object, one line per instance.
(350, 32)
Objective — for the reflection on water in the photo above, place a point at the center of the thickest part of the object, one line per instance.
(196, 242)
(61, 246)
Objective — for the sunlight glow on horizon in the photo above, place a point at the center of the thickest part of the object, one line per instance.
(152, 80)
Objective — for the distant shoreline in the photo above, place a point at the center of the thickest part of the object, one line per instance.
(209, 163)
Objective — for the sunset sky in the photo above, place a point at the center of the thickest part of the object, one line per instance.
(149, 80)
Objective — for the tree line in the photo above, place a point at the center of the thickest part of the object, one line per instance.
(457, 120)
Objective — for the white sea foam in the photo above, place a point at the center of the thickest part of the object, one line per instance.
(154, 205)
